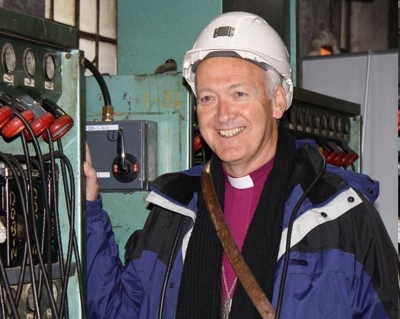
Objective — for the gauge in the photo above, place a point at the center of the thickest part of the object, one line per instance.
(8, 58)
(29, 62)
(49, 66)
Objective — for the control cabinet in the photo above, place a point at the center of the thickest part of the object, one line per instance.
(41, 142)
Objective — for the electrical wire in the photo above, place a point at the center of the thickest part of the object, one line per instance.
(30, 202)
(43, 273)
(169, 268)
(100, 80)
(72, 246)
(4, 278)
(6, 286)
(38, 166)
(27, 206)
(28, 243)
(2, 306)
(67, 164)
(69, 191)
(63, 275)
(46, 218)
(19, 179)
(37, 185)
(69, 202)
(289, 235)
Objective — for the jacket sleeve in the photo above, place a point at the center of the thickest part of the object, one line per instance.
(345, 267)
(106, 283)
(378, 257)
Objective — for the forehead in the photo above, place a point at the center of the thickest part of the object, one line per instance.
(223, 69)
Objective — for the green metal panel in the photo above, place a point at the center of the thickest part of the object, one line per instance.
(37, 29)
(159, 98)
(150, 32)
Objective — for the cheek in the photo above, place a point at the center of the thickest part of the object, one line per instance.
(258, 114)
(203, 117)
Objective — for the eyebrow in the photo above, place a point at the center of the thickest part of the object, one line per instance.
(237, 85)
(233, 86)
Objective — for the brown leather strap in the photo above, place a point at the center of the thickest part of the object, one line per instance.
(236, 259)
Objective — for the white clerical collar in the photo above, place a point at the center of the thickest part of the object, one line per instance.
(241, 182)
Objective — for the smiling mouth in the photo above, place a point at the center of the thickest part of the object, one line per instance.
(232, 132)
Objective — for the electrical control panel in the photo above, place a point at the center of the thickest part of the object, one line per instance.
(333, 123)
(11, 216)
(41, 142)
(124, 153)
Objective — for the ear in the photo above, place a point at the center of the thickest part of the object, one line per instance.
(279, 103)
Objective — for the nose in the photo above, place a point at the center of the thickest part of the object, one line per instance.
(225, 111)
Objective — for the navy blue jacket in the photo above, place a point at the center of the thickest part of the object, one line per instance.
(342, 261)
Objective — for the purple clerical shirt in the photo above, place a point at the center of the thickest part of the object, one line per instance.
(241, 198)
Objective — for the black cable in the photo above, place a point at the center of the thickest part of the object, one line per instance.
(21, 275)
(288, 239)
(73, 243)
(46, 227)
(25, 253)
(100, 80)
(31, 203)
(42, 267)
(8, 162)
(33, 229)
(43, 273)
(50, 191)
(9, 295)
(2, 306)
(51, 158)
(71, 216)
(46, 218)
(38, 164)
(169, 268)
(5, 283)
(46, 238)
(45, 241)
(69, 200)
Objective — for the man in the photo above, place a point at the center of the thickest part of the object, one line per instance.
(341, 264)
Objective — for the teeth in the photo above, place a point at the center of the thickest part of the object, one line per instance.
(230, 133)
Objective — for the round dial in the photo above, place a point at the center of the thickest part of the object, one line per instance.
(8, 58)
(29, 62)
(49, 66)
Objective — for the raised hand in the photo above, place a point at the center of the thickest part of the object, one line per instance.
(92, 187)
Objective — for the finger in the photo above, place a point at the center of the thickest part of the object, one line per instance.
(88, 155)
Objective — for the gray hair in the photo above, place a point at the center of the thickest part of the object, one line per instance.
(274, 79)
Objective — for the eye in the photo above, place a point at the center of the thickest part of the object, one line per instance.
(206, 99)
(240, 94)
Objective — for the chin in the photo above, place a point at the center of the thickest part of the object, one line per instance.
(229, 156)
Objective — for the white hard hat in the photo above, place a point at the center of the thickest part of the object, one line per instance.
(243, 35)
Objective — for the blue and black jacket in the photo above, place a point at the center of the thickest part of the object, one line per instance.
(342, 263)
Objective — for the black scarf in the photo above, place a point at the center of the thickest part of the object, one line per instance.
(200, 291)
